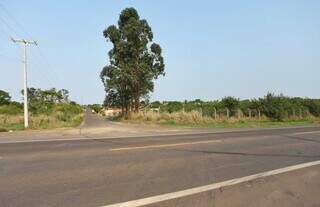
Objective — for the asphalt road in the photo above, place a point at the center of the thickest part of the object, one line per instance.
(98, 172)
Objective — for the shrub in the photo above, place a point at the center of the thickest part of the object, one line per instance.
(10, 109)
(4, 98)
(231, 103)
(96, 107)
(313, 106)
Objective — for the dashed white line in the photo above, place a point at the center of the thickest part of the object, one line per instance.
(192, 191)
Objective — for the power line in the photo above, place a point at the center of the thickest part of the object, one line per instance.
(14, 20)
(5, 34)
(8, 57)
(41, 72)
(41, 54)
(8, 26)
(47, 63)
(17, 33)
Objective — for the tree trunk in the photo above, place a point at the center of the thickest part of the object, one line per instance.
(136, 104)
(136, 99)
(122, 105)
(131, 105)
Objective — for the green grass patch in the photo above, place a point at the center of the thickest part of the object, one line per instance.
(10, 109)
(12, 127)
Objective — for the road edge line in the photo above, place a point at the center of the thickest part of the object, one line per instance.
(201, 189)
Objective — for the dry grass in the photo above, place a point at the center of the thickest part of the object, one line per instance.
(184, 118)
(10, 119)
(196, 119)
(15, 122)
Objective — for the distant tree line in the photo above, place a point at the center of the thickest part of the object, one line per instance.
(277, 107)
(43, 101)
(48, 96)
(49, 108)
(39, 101)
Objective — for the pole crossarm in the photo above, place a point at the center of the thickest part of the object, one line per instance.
(23, 41)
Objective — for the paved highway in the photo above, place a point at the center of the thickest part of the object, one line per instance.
(100, 172)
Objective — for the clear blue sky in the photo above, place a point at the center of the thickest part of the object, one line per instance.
(212, 48)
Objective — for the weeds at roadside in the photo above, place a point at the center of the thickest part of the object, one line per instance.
(196, 120)
(62, 116)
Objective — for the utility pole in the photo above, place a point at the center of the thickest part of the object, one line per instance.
(25, 43)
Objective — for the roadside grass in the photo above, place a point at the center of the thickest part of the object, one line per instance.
(15, 122)
(196, 120)
(62, 116)
(242, 124)
(38, 122)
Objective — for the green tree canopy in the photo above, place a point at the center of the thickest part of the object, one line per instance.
(231, 103)
(5, 98)
(47, 96)
(135, 61)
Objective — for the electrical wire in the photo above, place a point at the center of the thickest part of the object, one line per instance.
(14, 20)
(40, 53)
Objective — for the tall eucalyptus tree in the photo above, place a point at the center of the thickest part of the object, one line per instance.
(135, 62)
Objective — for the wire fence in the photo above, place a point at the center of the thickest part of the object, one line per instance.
(226, 113)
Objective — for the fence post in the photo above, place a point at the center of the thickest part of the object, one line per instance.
(227, 113)
(250, 113)
(294, 113)
(239, 116)
(259, 114)
(215, 113)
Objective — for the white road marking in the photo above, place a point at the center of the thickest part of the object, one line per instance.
(301, 133)
(164, 145)
(192, 191)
